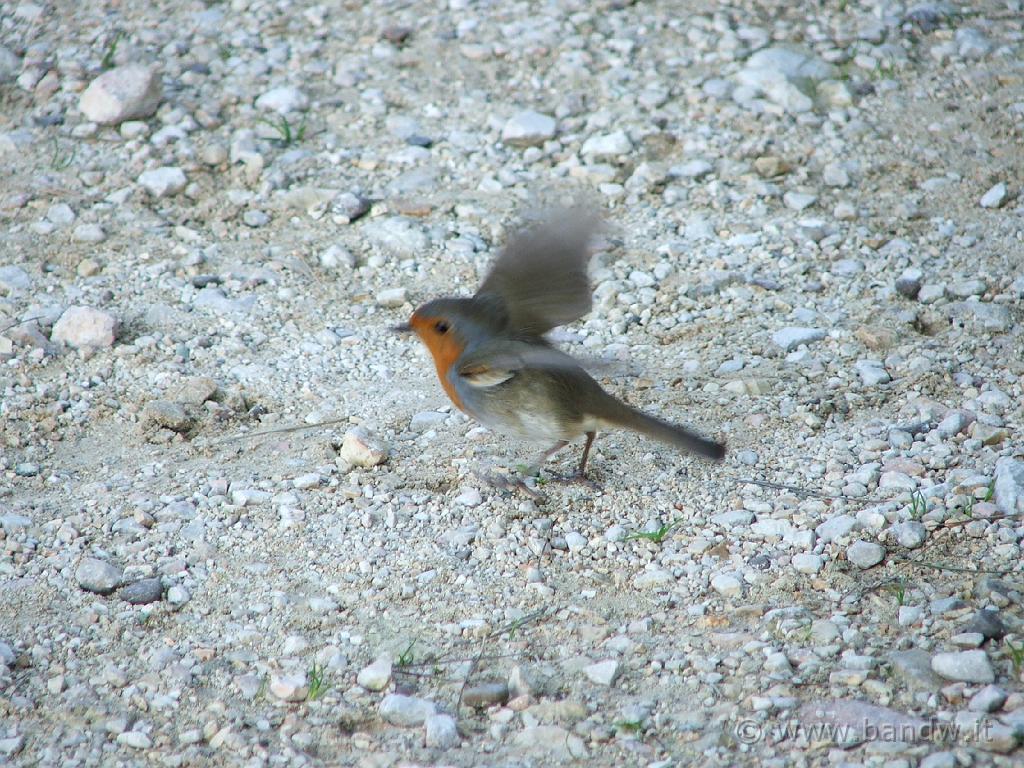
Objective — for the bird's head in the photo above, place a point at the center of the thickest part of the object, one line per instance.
(447, 326)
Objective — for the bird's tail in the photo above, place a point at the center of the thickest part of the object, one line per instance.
(626, 416)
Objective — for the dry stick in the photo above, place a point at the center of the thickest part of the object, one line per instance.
(805, 491)
(263, 432)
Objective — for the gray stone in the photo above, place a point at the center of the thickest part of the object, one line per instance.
(939, 760)
(994, 197)
(167, 414)
(784, 76)
(12, 745)
(865, 554)
(142, 592)
(398, 235)
(872, 372)
(441, 732)
(971, 43)
(910, 534)
(983, 315)
(852, 721)
(85, 327)
(798, 201)
(129, 92)
(836, 527)
(909, 283)
(988, 624)
(693, 169)
(653, 578)
(481, 695)
(988, 699)
(965, 289)
(98, 576)
(10, 65)
(791, 337)
(528, 129)
(406, 711)
(178, 596)
(965, 666)
(89, 233)
(337, 257)
(164, 181)
(550, 742)
(834, 175)
(1009, 486)
(14, 279)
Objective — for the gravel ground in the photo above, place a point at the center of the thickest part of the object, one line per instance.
(212, 214)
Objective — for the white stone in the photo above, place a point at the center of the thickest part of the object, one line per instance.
(362, 449)
(406, 711)
(99, 576)
(727, 585)
(807, 562)
(872, 372)
(376, 676)
(89, 233)
(995, 197)
(1008, 492)
(607, 146)
(440, 732)
(289, 687)
(134, 739)
(392, 298)
(652, 578)
(865, 554)
(85, 327)
(791, 337)
(129, 92)
(602, 672)
(164, 181)
(283, 100)
(528, 129)
(964, 666)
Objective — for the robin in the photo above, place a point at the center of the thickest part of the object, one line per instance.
(496, 365)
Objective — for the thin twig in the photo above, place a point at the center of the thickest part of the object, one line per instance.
(21, 322)
(951, 568)
(263, 432)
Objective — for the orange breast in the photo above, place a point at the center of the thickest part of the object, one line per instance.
(446, 350)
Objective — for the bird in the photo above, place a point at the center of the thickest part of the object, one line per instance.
(496, 364)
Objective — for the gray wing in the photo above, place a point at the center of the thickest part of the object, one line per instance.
(541, 274)
(499, 361)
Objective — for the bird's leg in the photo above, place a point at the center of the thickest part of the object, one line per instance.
(579, 476)
(509, 483)
(534, 469)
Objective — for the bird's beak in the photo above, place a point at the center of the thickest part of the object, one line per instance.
(403, 328)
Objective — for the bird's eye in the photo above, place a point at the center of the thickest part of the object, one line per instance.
(441, 327)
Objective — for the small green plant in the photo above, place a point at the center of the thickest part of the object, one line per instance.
(918, 505)
(629, 726)
(657, 536)
(990, 491)
(107, 62)
(287, 134)
(900, 590)
(317, 683)
(406, 657)
(1016, 656)
(969, 507)
(261, 692)
(59, 159)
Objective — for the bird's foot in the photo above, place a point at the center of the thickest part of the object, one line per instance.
(576, 478)
(510, 483)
